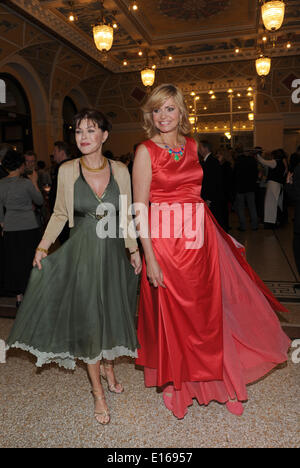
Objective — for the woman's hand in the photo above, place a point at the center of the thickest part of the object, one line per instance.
(40, 253)
(154, 274)
(136, 262)
(38, 257)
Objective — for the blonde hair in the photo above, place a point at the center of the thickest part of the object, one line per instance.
(156, 99)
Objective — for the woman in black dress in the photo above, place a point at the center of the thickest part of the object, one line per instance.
(21, 233)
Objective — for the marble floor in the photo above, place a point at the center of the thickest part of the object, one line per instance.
(51, 407)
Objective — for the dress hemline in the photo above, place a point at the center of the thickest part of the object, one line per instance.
(67, 360)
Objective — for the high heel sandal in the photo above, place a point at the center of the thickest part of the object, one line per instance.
(103, 414)
(114, 388)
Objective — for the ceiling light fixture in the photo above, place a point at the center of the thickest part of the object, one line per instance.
(263, 66)
(133, 6)
(273, 14)
(103, 33)
(211, 88)
(72, 17)
(148, 74)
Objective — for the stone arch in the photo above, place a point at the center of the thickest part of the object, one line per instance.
(79, 97)
(22, 71)
(80, 100)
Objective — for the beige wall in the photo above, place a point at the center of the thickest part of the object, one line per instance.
(268, 131)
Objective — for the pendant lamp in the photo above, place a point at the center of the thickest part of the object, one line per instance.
(103, 34)
(273, 14)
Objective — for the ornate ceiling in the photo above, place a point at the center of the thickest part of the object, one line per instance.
(192, 32)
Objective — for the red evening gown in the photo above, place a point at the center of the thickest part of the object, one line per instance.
(213, 329)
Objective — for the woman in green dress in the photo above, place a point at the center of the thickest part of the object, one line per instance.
(80, 302)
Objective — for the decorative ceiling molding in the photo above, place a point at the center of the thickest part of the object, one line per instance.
(193, 32)
(58, 25)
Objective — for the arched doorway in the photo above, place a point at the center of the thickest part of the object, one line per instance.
(69, 111)
(15, 116)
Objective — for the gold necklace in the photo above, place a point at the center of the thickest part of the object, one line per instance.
(92, 169)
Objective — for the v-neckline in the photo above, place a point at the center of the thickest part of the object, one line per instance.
(99, 198)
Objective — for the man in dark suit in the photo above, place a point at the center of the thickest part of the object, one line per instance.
(245, 183)
(61, 154)
(212, 186)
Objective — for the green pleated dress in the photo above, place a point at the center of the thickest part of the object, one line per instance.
(82, 304)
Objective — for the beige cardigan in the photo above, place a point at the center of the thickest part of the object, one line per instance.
(64, 205)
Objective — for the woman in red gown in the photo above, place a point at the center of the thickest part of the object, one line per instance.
(206, 323)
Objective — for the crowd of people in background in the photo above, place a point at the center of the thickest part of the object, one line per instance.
(255, 184)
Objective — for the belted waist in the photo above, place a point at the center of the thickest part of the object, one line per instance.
(96, 216)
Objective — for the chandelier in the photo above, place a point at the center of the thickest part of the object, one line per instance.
(273, 14)
(103, 37)
(103, 34)
(263, 66)
(148, 76)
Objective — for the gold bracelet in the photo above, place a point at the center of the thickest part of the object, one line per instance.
(136, 250)
(39, 249)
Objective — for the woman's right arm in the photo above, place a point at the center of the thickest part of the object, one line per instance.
(142, 176)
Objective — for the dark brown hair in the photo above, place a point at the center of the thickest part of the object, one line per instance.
(97, 117)
(12, 160)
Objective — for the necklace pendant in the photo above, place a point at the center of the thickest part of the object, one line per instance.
(177, 155)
